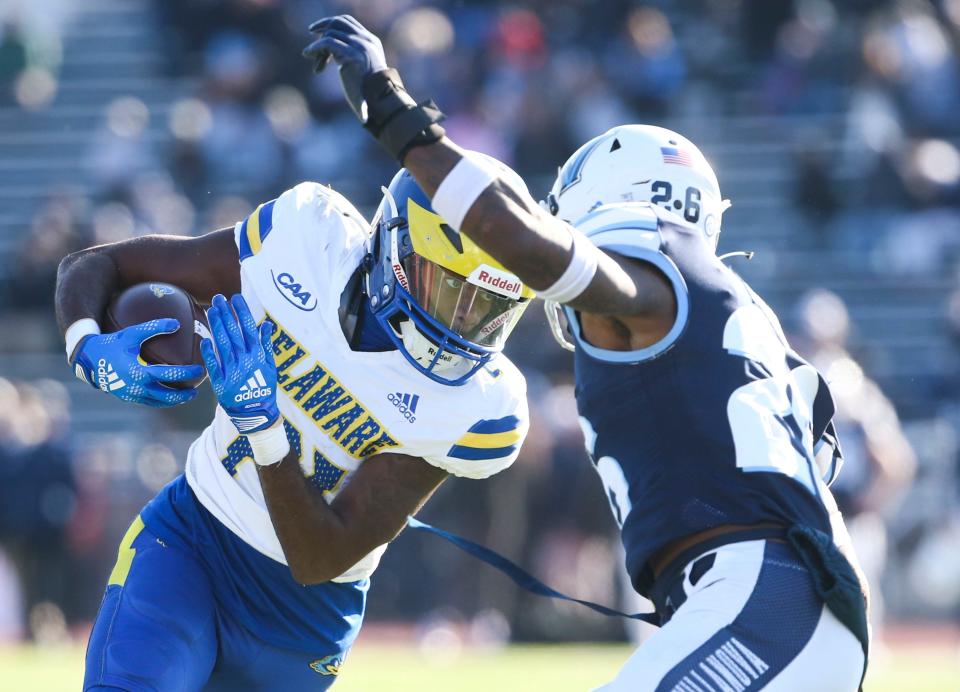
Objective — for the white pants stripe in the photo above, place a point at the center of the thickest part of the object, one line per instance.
(715, 642)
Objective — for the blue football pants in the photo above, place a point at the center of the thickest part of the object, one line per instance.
(159, 630)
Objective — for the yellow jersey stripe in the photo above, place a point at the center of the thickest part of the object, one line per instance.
(125, 554)
(253, 230)
(490, 440)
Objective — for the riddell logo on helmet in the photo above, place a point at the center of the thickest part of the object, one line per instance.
(497, 322)
(499, 282)
(444, 356)
(496, 280)
(401, 276)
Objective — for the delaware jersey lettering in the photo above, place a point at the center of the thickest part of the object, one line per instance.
(341, 406)
(721, 422)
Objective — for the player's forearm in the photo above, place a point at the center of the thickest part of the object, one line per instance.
(322, 541)
(504, 221)
(497, 214)
(536, 246)
(203, 266)
(85, 282)
(315, 539)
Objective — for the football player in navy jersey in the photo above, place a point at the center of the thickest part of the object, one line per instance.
(713, 438)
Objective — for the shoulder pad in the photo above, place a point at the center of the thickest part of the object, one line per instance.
(252, 231)
(301, 209)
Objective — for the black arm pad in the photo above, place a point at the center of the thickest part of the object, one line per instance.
(395, 119)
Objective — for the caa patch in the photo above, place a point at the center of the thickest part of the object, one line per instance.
(293, 291)
(328, 665)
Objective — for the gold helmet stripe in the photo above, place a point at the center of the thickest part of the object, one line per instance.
(447, 248)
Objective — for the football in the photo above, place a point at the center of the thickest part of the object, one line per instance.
(155, 300)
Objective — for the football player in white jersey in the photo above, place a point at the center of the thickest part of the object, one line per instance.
(374, 373)
(713, 438)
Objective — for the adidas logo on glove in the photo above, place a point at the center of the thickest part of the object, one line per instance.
(107, 378)
(255, 388)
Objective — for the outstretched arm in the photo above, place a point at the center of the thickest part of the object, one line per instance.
(507, 223)
(504, 220)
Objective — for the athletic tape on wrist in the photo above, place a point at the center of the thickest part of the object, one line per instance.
(461, 188)
(578, 274)
(269, 446)
(76, 331)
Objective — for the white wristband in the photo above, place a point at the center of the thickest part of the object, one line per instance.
(461, 188)
(77, 331)
(578, 274)
(269, 446)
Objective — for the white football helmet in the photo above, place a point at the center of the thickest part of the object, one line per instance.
(640, 163)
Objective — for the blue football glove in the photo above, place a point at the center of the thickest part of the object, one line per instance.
(242, 371)
(112, 363)
(357, 51)
(374, 91)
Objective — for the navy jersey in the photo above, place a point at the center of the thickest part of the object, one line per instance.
(718, 423)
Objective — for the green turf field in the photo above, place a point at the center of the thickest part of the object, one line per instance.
(374, 667)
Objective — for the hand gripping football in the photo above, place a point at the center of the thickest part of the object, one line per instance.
(155, 300)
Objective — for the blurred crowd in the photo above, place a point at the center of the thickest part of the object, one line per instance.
(527, 83)
(866, 91)
(64, 492)
(40, 544)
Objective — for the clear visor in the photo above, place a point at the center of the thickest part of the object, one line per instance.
(474, 313)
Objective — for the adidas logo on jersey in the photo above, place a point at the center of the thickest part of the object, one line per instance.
(107, 379)
(406, 404)
(255, 388)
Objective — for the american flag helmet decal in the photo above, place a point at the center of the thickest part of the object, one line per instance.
(676, 155)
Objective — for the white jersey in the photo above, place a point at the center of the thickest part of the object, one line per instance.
(340, 406)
